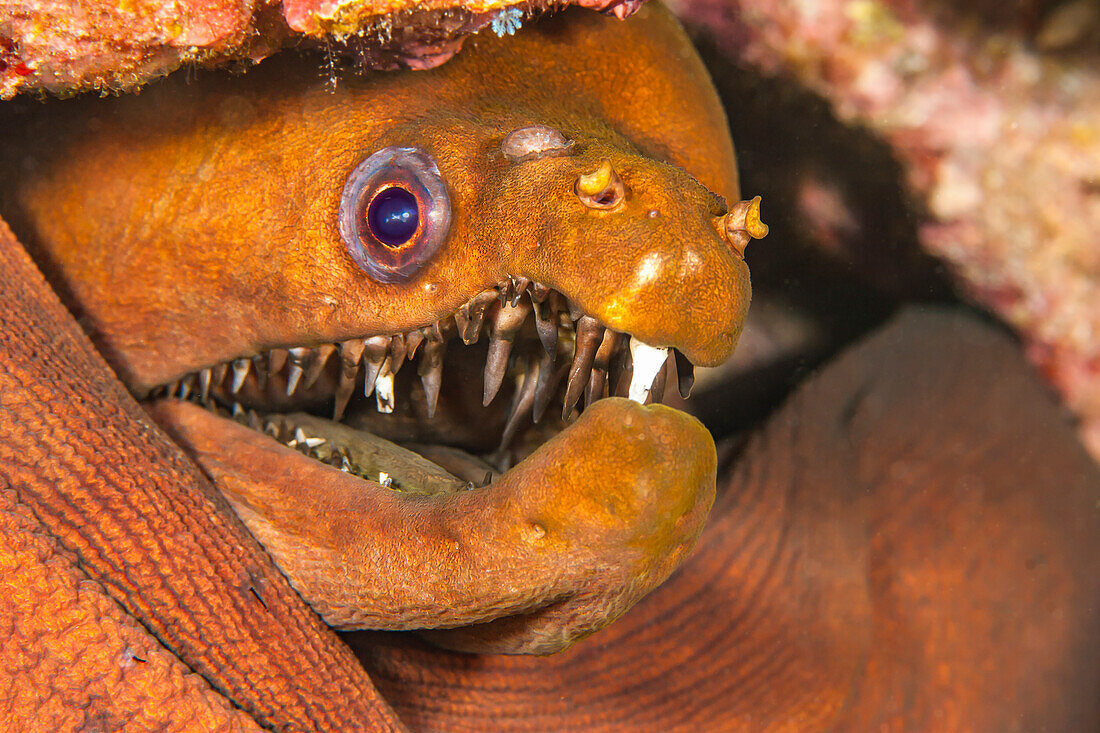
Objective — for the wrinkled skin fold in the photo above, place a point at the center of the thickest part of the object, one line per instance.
(202, 225)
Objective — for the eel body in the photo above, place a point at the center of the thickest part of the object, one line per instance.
(466, 268)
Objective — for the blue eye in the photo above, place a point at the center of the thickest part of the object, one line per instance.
(395, 213)
(393, 216)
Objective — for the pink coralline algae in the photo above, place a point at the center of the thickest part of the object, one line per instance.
(996, 120)
(64, 47)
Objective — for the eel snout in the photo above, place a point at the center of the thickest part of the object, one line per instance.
(641, 245)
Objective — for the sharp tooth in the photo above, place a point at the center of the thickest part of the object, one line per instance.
(238, 413)
(254, 420)
(344, 389)
(297, 360)
(504, 290)
(385, 479)
(647, 362)
(522, 403)
(413, 339)
(575, 311)
(383, 391)
(685, 374)
(476, 316)
(258, 364)
(186, 385)
(218, 375)
(276, 360)
(240, 372)
(397, 352)
(352, 351)
(377, 347)
(519, 286)
(506, 323)
(657, 390)
(431, 373)
(546, 323)
(549, 379)
(317, 367)
(589, 337)
(539, 292)
(205, 377)
(601, 365)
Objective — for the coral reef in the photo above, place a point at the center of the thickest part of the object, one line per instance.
(65, 47)
(995, 118)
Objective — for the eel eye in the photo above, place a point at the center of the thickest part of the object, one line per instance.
(394, 213)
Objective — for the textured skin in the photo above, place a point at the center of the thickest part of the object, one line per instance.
(911, 544)
(170, 277)
(126, 519)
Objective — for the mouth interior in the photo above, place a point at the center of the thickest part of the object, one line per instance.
(446, 407)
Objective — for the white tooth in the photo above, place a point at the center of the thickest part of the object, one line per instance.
(383, 391)
(385, 479)
(297, 360)
(648, 361)
(313, 442)
(240, 371)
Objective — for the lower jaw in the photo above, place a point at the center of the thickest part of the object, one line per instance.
(547, 553)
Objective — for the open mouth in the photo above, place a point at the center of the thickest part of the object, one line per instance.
(414, 411)
(479, 477)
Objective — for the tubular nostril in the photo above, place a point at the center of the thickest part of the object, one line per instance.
(742, 224)
(601, 189)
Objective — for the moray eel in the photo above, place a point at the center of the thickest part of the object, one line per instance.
(408, 325)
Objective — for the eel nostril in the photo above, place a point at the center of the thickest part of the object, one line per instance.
(602, 189)
(742, 224)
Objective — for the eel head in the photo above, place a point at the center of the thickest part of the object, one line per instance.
(416, 335)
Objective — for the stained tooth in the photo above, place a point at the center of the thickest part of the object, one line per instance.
(506, 324)
(522, 403)
(259, 363)
(187, 384)
(218, 374)
(504, 290)
(238, 413)
(657, 390)
(383, 391)
(546, 323)
(204, 384)
(431, 373)
(276, 360)
(254, 420)
(397, 352)
(316, 368)
(478, 306)
(589, 337)
(601, 365)
(240, 372)
(272, 429)
(647, 362)
(539, 292)
(413, 339)
(349, 371)
(519, 286)
(575, 311)
(297, 360)
(352, 351)
(376, 349)
(685, 374)
(549, 379)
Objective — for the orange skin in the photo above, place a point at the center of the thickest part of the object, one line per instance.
(197, 223)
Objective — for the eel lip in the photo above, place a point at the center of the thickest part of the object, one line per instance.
(556, 548)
